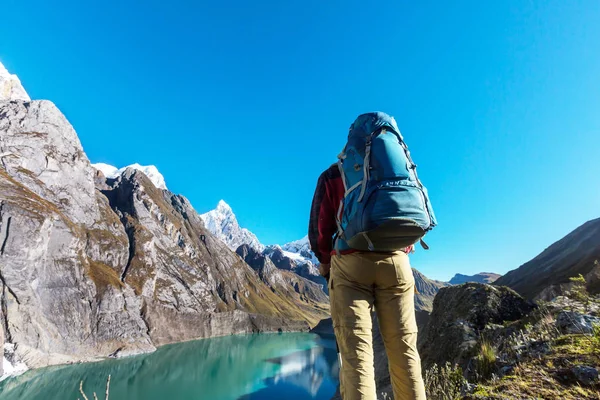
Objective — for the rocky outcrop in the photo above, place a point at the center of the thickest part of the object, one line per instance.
(460, 314)
(547, 275)
(482, 277)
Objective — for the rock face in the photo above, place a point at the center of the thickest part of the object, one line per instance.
(190, 283)
(571, 322)
(91, 267)
(460, 314)
(482, 277)
(61, 251)
(547, 275)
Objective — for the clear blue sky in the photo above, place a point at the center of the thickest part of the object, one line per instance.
(248, 101)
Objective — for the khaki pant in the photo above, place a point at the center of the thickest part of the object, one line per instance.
(359, 282)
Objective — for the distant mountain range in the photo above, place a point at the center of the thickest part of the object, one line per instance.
(482, 277)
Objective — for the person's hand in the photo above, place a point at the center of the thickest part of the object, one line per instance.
(324, 269)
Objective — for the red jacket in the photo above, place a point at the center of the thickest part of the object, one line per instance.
(325, 204)
(322, 225)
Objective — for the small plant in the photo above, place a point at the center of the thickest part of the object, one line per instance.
(578, 290)
(485, 360)
(445, 383)
(596, 339)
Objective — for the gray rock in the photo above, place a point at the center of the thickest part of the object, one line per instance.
(460, 313)
(586, 375)
(1, 341)
(574, 322)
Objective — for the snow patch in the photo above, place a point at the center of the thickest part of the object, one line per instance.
(11, 364)
(302, 248)
(10, 86)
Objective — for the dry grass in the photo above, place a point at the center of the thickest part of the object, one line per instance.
(444, 383)
(103, 276)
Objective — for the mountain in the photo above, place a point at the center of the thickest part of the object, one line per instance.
(482, 277)
(302, 248)
(294, 256)
(286, 284)
(426, 291)
(295, 262)
(547, 275)
(223, 223)
(92, 267)
(150, 171)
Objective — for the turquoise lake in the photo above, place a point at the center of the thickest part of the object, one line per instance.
(290, 366)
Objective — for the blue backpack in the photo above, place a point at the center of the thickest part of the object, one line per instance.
(385, 207)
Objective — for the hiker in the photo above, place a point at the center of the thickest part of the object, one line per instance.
(367, 212)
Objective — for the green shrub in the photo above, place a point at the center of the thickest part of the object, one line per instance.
(579, 290)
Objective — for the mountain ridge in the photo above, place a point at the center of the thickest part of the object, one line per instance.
(481, 277)
(547, 275)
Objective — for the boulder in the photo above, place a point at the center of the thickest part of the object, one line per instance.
(460, 313)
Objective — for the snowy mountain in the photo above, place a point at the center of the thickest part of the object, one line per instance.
(149, 170)
(294, 256)
(10, 86)
(301, 248)
(223, 223)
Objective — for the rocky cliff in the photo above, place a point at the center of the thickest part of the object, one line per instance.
(547, 275)
(92, 267)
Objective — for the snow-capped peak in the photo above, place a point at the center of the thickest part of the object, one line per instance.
(10, 86)
(223, 223)
(302, 248)
(224, 208)
(149, 170)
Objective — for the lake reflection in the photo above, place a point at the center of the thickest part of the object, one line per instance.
(266, 366)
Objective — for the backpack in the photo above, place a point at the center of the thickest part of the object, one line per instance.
(385, 206)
